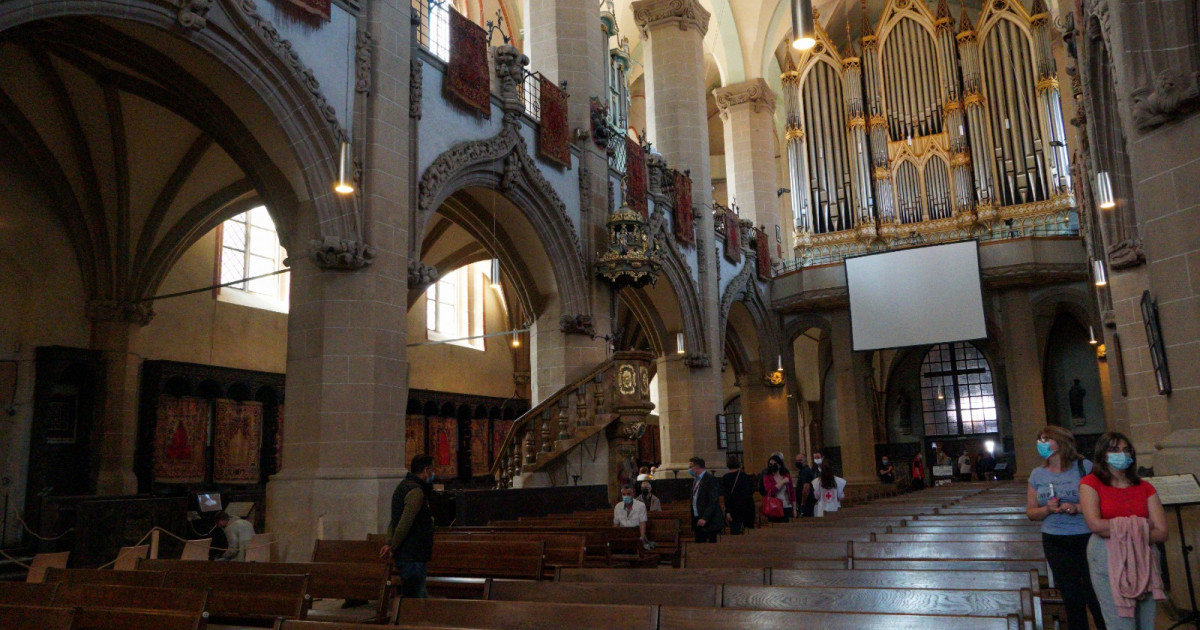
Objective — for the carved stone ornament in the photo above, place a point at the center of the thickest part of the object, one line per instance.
(420, 275)
(193, 13)
(1126, 254)
(282, 47)
(117, 311)
(1175, 93)
(683, 13)
(577, 325)
(363, 46)
(697, 360)
(754, 92)
(416, 74)
(656, 168)
(335, 253)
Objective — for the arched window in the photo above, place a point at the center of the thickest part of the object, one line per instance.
(249, 248)
(454, 306)
(957, 393)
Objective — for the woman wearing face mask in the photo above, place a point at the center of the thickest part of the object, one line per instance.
(1053, 498)
(652, 502)
(630, 513)
(777, 483)
(830, 491)
(1126, 517)
(887, 471)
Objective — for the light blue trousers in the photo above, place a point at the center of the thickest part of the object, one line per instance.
(1143, 613)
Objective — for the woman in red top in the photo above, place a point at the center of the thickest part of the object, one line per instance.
(1114, 490)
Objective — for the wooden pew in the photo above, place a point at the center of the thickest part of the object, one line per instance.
(977, 580)
(361, 551)
(148, 579)
(606, 593)
(16, 617)
(680, 618)
(507, 559)
(756, 562)
(942, 602)
(189, 600)
(561, 551)
(327, 580)
(247, 597)
(26, 593)
(674, 576)
(43, 561)
(906, 537)
(493, 615)
(116, 619)
(946, 550)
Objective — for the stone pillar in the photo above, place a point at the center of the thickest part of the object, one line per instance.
(115, 326)
(855, 427)
(748, 111)
(347, 376)
(766, 427)
(677, 123)
(1023, 371)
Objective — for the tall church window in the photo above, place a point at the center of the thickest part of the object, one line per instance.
(957, 392)
(249, 247)
(454, 306)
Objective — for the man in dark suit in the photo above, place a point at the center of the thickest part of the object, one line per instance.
(707, 518)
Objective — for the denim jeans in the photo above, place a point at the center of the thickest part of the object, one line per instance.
(412, 579)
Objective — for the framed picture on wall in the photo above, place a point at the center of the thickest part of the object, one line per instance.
(1158, 352)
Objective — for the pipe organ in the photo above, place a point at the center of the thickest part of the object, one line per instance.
(927, 129)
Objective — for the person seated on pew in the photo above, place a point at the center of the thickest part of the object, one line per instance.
(887, 471)
(411, 530)
(238, 533)
(631, 513)
(652, 503)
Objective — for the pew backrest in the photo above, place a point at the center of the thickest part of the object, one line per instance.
(960, 603)
(677, 576)
(328, 580)
(138, 597)
(102, 576)
(18, 617)
(604, 593)
(361, 551)
(505, 559)
(680, 618)
(26, 593)
(979, 580)
(247, 595)
(43, 561)
(91, 618)
(946, 550)
(492, 615)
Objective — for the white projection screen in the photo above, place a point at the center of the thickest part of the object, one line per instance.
(914, 297)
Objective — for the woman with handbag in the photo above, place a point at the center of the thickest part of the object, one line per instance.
(738, 490)
(780, 493)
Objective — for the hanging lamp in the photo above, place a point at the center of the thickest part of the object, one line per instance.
(1104, 191)
(804, 34)
(1098, 271)
(343, 185)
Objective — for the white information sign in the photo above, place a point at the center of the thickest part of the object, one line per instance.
(1176, 489)
(947, 471)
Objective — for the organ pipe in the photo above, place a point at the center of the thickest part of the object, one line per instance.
(974, 103)
(797, 158)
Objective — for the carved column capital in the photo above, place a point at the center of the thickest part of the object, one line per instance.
(754, 92)
(684, 14)
(332, 253)
(118, 311)
(577, 325)
(193, 14)
(420, 275)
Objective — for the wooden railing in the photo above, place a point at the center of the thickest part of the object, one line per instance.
(619, 386)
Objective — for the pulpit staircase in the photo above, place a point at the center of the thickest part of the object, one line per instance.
(618, 387)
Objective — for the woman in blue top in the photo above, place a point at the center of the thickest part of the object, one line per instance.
(1053, 499)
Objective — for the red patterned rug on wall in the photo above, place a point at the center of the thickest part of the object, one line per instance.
(179, 438)
(764, 255)
(467, 73)
(635, 177)
(554, 135)
(500, 430)
(733, 241)
(237, 442)
(443, 446)
(312, 9)
(685, 227)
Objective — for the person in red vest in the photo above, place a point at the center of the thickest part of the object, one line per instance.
(918, 472)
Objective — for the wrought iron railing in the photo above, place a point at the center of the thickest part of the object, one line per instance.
(616, 151)
(432, 21)
(531, 95)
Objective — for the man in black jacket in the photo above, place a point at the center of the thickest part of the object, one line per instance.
(707, 518)
(410, 533)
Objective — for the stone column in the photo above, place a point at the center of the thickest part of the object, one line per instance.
(677, 123)
(766, 427)
(855, 427)
(1023, 370)
(115, 326)
(347, 376)
(748, 111)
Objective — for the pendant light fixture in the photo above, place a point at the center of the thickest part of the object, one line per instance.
(495, 275)
(495, 278)
(1101, 276)
(1104, 191)
(778, 363)
(343, 185)
(679, 349)
(516, 339)
(804, 35)
(1092, 336)
(941, 395)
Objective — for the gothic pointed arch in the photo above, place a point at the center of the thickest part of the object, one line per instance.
(744, 288)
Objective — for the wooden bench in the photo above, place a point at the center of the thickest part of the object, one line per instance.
(27, 593)
(946, 550)
(980, 580)
(958, 603)
(18, 617)
(117, 619)
(680, 618)
(492, 615)
(147, 579)
(674, 576)
(326, 580)
(506, 559)
(608, 593)
(247, 598)
(189, 600)
(1012, 537)
(360, 551)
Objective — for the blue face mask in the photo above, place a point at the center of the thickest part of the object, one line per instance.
(692, 472)
(627, 500)
(1044, 449)
(1120, 461)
